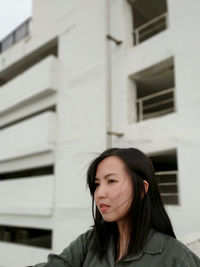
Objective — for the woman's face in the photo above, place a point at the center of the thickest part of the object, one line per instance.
(114, 190)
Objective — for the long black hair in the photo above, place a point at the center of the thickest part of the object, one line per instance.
(145, 212)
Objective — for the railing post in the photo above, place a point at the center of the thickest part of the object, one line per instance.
(167, 20)
(136, 36)
(14, 37)
(140, 110)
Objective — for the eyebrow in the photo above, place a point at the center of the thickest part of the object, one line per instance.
(106, 176)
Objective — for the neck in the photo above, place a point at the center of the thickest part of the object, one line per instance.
(124, 238)
(123, 229)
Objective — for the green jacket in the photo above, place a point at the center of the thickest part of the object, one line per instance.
(160, 251)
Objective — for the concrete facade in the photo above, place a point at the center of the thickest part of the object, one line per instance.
(65, 85)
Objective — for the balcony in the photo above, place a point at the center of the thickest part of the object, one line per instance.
(167, 182)
(38, 81)
(27, 196)
(29, 137)
(154, 91)
(156, 104)
(149, 18)
(166, 173)
(150, 28)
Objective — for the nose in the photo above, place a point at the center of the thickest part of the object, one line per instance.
(100, 191)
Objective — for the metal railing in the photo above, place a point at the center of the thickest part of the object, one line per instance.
(15, 36)
(168, 186)
(157, 103)
(150, 28)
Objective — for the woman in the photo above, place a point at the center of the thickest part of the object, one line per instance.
(131, 226)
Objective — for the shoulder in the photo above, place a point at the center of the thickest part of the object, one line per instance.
(172, 243)
(74, 254)
(84, 237)
(80, 245)
(185, 255)
(170, 251)
(177, 252)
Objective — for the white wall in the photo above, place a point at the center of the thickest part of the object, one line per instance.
(178, 130)
(32, 136)
(73, 135)
(81, 110)
(29, 195)
(21, 255)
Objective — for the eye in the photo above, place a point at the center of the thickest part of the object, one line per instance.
(111, 181)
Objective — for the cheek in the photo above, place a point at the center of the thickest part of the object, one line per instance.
(122, 195)
(115, 194)
(126, 195)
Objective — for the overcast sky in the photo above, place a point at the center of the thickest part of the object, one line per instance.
(12, 13)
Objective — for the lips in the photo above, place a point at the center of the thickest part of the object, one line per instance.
(103, 207)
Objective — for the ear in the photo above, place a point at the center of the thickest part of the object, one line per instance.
(146, 187)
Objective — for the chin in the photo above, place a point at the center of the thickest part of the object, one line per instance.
(108, 219)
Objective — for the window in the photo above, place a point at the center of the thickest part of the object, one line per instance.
(7, 42)
(155, 90)
(22, 31)
(47, 170)
(149, 18)
(26, 236)
(166, 174)
(14, 37)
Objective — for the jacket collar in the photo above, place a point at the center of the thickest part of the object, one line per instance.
(154, 245)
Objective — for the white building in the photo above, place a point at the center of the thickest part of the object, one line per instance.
(81, 76)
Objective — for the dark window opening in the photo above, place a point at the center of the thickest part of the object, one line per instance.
(19, 33)
(26, 236)
(149, 18)
(155, 90)
(47, 170)
(166, 173)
